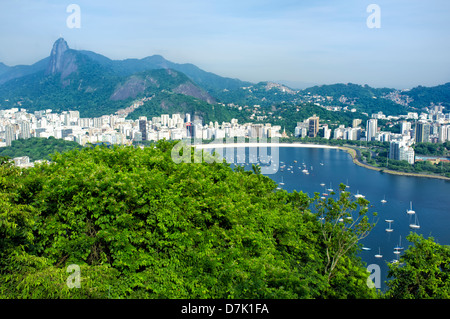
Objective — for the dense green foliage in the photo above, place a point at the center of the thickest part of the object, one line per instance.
(423, 271)
(140, 226)
(37, 148)
(443, 168)
(432, 149)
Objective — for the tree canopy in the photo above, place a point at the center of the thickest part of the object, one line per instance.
(423, 272)
(38, 148)
(132, 223)
(139, 225)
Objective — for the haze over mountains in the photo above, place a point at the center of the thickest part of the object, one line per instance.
(96, 85)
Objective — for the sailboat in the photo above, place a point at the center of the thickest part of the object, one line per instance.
(410, 210)
(394, 261)
(389, 230)
(398, 248)
(358, 195)
(281, 183)
(379, 255)
(384, 200)
(416, 224)
(330, 189)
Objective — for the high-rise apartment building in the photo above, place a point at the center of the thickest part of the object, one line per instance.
(313, 126)
(25, 130)
(356, 123)
(10, 134)
(422, 132)
(165, 119)
(189, 130)
(143, 129)
(405, 128)
(371, 129)
(400, 151)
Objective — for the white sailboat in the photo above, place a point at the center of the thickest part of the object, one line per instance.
(416, 224)
(394, 261)
(330, 189)
(384, 200)
(379, 255)
(358, 195)
(410, 211)
(398, 248)
(281, 183)
(389, 230)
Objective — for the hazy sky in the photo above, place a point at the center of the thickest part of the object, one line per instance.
(320, 41)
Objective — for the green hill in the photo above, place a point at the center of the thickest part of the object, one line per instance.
(361, 97)
(423, 96)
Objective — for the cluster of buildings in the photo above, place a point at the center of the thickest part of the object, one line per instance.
(116, 129)
(310, 128)
(432, 126)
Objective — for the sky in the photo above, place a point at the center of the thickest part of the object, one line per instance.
(292, 41)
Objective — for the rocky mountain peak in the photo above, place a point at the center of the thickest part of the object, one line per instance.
(59, 62)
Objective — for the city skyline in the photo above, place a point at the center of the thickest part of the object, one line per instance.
(286, 41)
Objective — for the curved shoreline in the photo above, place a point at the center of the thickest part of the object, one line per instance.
(225, 145)
(352, 153)
(349, 150)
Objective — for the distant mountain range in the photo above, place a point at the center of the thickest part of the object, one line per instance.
(96, 85)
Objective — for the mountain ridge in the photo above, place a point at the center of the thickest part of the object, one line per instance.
(91, 82)
(70, 78)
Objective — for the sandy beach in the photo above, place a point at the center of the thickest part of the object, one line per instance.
(224, 145)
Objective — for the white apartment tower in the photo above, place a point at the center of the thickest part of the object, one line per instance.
(371, 129)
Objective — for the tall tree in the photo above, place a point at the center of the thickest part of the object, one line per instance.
(343, 224)
(423, 271)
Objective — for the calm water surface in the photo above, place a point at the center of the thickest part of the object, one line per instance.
(430, 198)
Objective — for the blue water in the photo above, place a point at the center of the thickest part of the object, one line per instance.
(430, 198)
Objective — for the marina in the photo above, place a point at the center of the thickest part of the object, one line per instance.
(410, 199)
